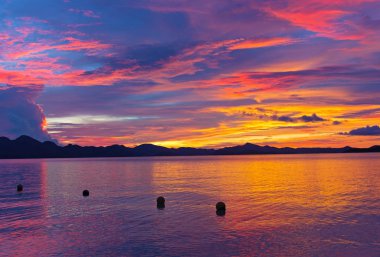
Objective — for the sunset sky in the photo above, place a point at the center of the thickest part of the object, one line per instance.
(191, 73)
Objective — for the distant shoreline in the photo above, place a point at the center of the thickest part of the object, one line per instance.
(25, 147)
(154, 156)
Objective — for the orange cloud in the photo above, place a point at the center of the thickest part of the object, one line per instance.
(259, 43)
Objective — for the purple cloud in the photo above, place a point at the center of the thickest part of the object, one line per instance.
(284, 118)
(365, 131)
(19, 113)
(312, 118)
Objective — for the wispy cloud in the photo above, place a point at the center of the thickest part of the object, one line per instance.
(87, 13)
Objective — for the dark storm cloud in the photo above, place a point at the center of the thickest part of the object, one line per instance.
(19, 113)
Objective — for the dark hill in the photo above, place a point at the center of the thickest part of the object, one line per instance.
(372, 149)
(27, 147)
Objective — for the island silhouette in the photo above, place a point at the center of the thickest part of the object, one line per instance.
(28, 147)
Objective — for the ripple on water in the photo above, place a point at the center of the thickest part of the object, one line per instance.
(276, 206)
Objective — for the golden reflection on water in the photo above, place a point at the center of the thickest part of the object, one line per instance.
(278, 205)
(272, 191)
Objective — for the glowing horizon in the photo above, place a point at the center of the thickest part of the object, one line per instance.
(186, 73)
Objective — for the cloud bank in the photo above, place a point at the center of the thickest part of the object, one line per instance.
(365, 131)
(19, 113)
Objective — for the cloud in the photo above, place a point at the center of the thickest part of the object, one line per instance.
(19, 113)
(259, 43)
(266, 114)
(361, 113)
(305, 118)
(30, 50)
(365, 131)
(313, 118)
(87, 13)
(336, 122)
(334, 19)
(284, 118)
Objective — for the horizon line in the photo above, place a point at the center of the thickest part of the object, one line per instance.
(204, 148)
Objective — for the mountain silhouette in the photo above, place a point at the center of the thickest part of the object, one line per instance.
(28, 147)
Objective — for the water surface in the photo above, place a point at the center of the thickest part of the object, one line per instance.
(277, 205)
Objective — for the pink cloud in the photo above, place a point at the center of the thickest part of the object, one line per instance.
(331, 19)
(27, 50)
(87, 13)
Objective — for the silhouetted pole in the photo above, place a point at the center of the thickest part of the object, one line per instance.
(160, 202)
(86, 193)
(20, 188)
(220, 209)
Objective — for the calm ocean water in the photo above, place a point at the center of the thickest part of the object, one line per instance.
(277, 205)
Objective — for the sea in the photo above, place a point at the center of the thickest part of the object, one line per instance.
(276, 205)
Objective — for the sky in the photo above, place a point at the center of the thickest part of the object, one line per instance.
(191, 73)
